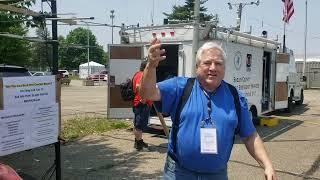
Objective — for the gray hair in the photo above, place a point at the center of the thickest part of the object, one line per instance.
(210, 45)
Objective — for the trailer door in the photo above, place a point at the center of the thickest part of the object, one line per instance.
(124, 61)
(281, 86)
(266, 72)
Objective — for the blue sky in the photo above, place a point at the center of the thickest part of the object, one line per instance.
(267, 16)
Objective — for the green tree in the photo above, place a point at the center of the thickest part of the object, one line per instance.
(73, 50)
(14, 51)
(185, 13)
(41, 52)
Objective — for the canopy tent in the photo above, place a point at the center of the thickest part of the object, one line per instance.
(93, 68)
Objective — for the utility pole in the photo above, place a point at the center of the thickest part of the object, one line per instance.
(88, 48)
(240, 7)
(195, 40)
(112, 17)
(239, 12)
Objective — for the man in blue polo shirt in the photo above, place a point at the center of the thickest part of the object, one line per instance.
(208, 120)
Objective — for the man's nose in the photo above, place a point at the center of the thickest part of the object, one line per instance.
(212, 66)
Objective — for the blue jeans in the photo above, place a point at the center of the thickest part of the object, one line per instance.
(172, 171)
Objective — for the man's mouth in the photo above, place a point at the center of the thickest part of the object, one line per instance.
(212, 75)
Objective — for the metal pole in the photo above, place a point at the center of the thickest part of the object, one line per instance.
(55, 71)
(112, 16)
(284, 38)
(239, 16)
(305, 41)
(195, 41)
(152, 14)
(88, 49)
(54, 38)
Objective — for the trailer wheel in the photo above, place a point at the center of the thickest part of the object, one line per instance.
(254, 115)
(301, 99)
(290, 104)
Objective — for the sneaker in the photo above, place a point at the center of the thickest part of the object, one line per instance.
(145, 145)
(135, 143)
(140, 144)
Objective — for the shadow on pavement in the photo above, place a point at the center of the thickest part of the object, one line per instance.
(92, 158)
(106, 158)
(269, 133)
(32, 164)
(297, 110)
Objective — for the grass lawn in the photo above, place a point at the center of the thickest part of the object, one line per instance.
(81, 126)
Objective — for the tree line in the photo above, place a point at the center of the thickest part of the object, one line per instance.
(38, 55)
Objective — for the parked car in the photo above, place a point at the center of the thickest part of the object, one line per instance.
(65, 73)
(13, 71)
(98, 76)
(40, 73)
(105, 78)
(63, 78)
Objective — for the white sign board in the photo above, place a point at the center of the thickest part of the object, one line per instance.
(30, 117)
(28, 127)
(25, 91)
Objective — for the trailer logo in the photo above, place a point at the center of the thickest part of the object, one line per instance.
(237, 60)
(248, 62)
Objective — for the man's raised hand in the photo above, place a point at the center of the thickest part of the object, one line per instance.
(155, 54)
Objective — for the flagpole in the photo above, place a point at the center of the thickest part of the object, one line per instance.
(305, 41)
(288, 11)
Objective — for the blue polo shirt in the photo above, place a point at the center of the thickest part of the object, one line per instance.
(195, 110)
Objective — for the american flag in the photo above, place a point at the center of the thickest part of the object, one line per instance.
(288, 10)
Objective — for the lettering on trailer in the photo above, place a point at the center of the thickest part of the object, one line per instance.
(245, 85)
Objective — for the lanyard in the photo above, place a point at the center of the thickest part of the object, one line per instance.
(208, 120)
(208, 103)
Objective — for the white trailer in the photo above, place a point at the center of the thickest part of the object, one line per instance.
(253, 64)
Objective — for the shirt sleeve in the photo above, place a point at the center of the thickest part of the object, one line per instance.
(246, 125)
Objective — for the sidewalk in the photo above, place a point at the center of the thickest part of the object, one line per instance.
(110, 156)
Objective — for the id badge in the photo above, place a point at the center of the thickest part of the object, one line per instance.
(208, 141)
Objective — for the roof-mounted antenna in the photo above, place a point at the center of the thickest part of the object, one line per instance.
(152, 13)
(240, 6)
